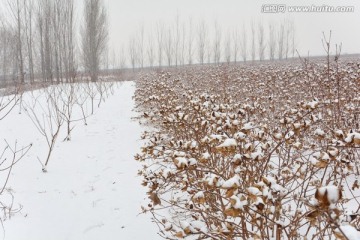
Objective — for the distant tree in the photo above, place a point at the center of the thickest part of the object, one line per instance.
(208, 51)
(243, 44)
(69, 40)
(183, 44)
(7, 50)
(28, 16)
(292, 38)
(44, 29)
(150, 50)
(261, 41)
(288, 28)
(160, 42)
(227, 48)
(140, 45)
(94, 36)
(201, 41)
(176, 50)
(190, 39)
(122, 58)
(253, 45)
(235, 44)
(272, 41)
(280, 40)
(132, 52)
(16, 10)
(217, 43)
(169, 48)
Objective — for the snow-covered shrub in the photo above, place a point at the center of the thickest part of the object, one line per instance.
(250, 152)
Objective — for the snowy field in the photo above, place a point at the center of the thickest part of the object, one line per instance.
(91, 189)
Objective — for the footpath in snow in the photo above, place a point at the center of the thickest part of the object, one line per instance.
(91, 189)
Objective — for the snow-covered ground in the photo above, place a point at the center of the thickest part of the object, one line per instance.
(91, 189)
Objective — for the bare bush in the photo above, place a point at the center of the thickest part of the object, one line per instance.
(9, 156)
(47, 119)
(68, 97)
(8, 102)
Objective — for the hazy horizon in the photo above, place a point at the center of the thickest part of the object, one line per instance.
(125, 17)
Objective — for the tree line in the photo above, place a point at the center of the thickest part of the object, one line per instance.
(39, 40)
(186, 42)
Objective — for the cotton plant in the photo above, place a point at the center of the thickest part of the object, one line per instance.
(249, 153)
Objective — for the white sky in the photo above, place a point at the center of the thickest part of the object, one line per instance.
(125, 16)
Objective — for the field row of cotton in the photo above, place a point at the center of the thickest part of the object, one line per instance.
(264, 151)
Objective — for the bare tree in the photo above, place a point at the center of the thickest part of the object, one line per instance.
(47, 119)
(81, 101)
(122, 58)
(236, 44)
(45, 28)
(177, 39)
(28, 12)
(261, 41)
(7, 50)
(227, 48)
(288, 28)
(68, 96)
(293, 38)
(43, 31)
(94, 36)
(140, 45)
(208, 51)
(69, 41)
(280, 39)
(132, 52)
(16, 10)
(56, 20)
(217, 43)
(91, 91)
(150, 50)
(272, 41)
(201, 41)
(190, 39)
(48, 39)
(55, 24)
(113, 60)
(183, 44)
(160, 42)
(169, 48)
(243, 44)
(253, 46)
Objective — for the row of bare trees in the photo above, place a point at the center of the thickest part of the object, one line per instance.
(185, 42)
(51, 109)
(63, 105)
(39, 40)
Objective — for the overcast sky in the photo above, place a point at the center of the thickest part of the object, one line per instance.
(125, 16)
